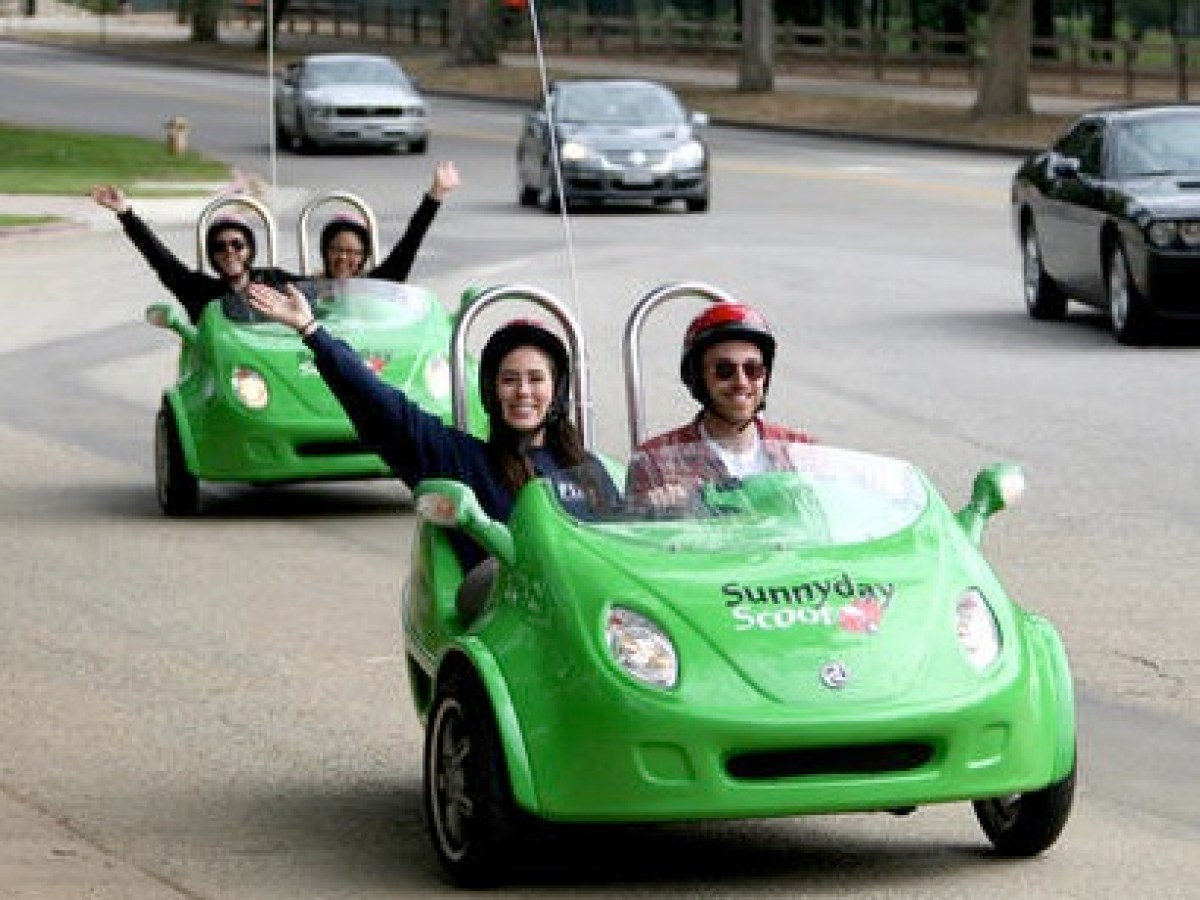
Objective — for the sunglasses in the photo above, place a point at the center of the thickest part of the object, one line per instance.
(725, 369)
(233, 244)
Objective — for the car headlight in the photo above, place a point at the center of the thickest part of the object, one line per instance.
(437, 377)
(1174, 233)
(250, 388)
(573, 151)
(688, 156)
(976, 629)
(641, 648)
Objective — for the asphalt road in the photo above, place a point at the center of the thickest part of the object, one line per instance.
(216, 708)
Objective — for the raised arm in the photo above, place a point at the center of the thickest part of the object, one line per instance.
(399, 262)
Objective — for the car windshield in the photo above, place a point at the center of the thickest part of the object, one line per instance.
(322, 73)
(352, 301)
(680, 499)
(617, 103)
(1164, 145)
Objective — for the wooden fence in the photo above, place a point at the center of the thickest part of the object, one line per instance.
(1072, 66)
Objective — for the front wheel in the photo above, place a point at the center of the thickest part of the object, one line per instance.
(420, 145)
(178, 490)
(469, 809)
(698, 204)
(1024, 825)
(1043, 298)
(1127, 308)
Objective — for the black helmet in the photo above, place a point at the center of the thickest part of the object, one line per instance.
(524, 333)
(727, 321)
(336, 226)
(224, 223)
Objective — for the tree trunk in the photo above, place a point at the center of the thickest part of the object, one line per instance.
(206, 19)
(756, 70)
(1004, 84)
(473, 38)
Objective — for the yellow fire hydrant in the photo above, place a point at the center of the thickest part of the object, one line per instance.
(177, 135)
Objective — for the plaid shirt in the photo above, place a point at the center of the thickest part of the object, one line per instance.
(685, 458)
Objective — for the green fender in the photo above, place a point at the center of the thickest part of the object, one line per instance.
(183, 427)
(520, 773)
(1060, 691)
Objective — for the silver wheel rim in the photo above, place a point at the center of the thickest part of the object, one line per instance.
(1033, 268)
(449, 798)
(1118, 290)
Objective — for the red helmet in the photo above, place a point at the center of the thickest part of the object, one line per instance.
(727, 321)
(222, 223)
(524, 333)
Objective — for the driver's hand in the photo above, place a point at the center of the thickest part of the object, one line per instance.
(287, 307)
(668, 496)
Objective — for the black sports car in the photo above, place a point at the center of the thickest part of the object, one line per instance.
(616, 140)
(1110, 216)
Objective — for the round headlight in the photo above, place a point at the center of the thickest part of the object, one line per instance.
(1189, 234)
(976, 629)
(250, 388)
(1162, 234)
(641, 648)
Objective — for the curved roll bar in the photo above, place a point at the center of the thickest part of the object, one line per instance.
(631, 344)
(550, 304)
(349, 199)
(242, 200)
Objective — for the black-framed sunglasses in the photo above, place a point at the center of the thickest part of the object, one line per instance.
(725, 369)
(232, 244)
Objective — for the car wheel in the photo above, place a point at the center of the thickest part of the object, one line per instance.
(1024, 825)
(301, 142)
(526, 195)
(1130, 316)
(698, 204)
(547, 196)
(419, 146)
(469, 810)
(1043, 298)
(178, 489)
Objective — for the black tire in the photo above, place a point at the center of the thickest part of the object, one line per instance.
(178, 490)
(301, 142)
(419, 146)
(1025, 825)
(526, 196)
(1130, 315)
(1043, 298)
(547, 195)
(470, 814)
(698, 204)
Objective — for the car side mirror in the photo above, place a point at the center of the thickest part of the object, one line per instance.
(165, 315)
(1064, 167)
(996, 487)
(699, 119)
(451, 504)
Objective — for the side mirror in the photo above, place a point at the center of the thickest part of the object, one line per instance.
(699, 119)
(165, 315)
(450, 504)
(996, 487)
(1064, 166)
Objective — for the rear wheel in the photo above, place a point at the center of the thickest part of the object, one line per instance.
(1127, 308)
(1024, 825)
(1043, 298)
(469, 810)
(178, 489)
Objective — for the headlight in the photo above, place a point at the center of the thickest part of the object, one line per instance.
(976, 629)
(1172, 233)
(250, 388)
(573, 151)
(641, 648)
(688, 156)
(437, 377)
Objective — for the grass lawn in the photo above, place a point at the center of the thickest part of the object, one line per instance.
(44, 161)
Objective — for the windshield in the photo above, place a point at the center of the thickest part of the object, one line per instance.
(617, 103)
(1164, 145)
(357, 71)
(682, 498)
(352, 301)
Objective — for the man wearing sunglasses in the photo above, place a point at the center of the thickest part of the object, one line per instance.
(726, 363)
